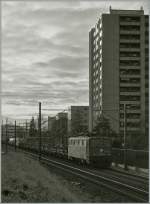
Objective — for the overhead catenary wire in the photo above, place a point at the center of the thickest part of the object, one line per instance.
(54, 109)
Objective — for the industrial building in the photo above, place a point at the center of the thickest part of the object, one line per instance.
(119, 72)
(78, 117)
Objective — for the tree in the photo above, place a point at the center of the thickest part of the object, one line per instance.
(139, 141)
(103, 128)
(20, 131)
(116, 142)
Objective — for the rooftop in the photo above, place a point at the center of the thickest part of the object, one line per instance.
(126, 12)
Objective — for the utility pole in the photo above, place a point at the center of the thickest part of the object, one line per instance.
(2, 132)
(15, 137)
(6, 136)
(26, 128)
(48, 123)
(39, 130)
(125, 137)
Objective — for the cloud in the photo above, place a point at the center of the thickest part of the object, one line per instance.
(45, 52)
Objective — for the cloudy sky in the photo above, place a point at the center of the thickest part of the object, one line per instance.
(45, 53)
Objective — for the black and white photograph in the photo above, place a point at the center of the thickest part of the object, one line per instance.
(74, 101)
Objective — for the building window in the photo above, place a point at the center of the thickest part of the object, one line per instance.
(129, 45)
(130, 71)
(129, 54)
(129, 19)
(130, 80)
(130, 27)
(129, 98)
(129, 89)
(129, 37)
(133, 124)
(121, 124)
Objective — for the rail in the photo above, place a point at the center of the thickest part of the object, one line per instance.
(135, 193)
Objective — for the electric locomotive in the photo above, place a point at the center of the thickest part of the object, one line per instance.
(90, 150)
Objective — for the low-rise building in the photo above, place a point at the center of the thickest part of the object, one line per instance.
(78, 117)
(51, 121)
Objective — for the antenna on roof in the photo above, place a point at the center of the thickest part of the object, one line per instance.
(141, 7)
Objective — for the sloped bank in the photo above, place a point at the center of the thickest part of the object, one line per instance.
(26, 180)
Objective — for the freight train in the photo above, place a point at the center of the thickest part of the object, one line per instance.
(93, 150)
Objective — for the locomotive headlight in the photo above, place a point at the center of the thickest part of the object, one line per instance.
(101, 150)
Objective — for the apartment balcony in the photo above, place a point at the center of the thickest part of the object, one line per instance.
(127, 93)
(131, 120)
(131, 111)
(129, 72)
(147, 45)
(129, 49)
(129, 67)
(129, 76)
(129, 40)
(134, 32)
(131, 128)
(130, 102)
(147, 90)
(129, 84)
(132, 23)
(127, 58)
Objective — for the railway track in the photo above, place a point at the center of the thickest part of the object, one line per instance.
(126, 178)
(133, 187)
(139, 177)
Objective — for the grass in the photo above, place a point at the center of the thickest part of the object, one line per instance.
(25, 180)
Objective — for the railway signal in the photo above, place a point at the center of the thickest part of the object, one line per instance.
(15, 135)
(39, 130)
(6, 137)
(26, 128)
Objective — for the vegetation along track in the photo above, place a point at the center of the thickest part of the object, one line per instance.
(138, 193)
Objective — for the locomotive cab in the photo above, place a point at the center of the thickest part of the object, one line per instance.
(100, 151)
(91, 150)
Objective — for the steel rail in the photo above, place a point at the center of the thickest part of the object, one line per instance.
(132, 192)
(106, 182)
(126, 174)
(126, 179)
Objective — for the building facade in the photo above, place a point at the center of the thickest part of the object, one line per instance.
(58, 129)
(118, 71)
(51, 121)
(62, 115)
(78, 118)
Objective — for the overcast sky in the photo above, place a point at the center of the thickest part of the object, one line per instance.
(45, 53)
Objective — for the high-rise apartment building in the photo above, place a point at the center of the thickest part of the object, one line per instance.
(118, 71)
